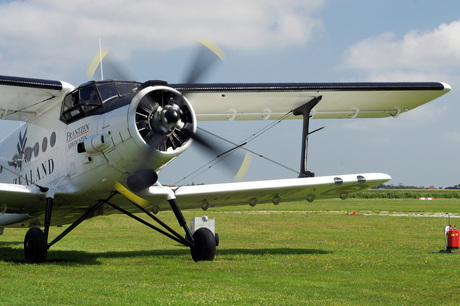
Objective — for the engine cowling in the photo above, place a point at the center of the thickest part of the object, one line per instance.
(157, 116)
(148, 133)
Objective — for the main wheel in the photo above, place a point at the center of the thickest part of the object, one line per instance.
(205, 245)
(35, 247)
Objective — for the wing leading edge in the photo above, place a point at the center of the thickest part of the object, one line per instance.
(339, 100)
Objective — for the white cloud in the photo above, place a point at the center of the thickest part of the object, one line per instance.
(416, 54)
(45, 33)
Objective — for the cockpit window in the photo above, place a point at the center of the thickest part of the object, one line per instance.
(126, 88)
(89, 97)
(107, 91)
(80, 103)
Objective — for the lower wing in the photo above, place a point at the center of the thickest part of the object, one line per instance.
(272, 191)
(24, 206)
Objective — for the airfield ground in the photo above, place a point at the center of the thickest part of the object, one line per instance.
(287, 254)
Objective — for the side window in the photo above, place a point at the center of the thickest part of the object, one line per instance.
(69, 101)
(70, 108)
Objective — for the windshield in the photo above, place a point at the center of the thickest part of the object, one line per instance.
(96, 98)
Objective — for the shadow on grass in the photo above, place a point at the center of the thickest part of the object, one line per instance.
(59, 257)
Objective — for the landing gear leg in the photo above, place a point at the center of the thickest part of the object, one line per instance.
(180, 218)
(203, 243)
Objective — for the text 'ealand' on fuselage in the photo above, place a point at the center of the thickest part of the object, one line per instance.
(30, 155)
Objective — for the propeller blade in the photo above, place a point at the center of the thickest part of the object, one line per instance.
(109, 68)
(129, 195)
(206, 56)
(202, 141)
(97, 60)
(244, 167)
(220, 151)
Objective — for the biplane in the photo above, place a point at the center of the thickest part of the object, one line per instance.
(99, 149)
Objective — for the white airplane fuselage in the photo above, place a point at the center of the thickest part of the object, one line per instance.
(46, 152)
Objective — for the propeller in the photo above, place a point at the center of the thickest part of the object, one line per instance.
(170, 119)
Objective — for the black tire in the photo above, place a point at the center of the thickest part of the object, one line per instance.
(205, 245)
(35, 247)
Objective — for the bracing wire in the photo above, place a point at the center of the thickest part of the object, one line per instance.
(227, 153)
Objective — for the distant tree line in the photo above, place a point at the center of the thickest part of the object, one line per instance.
(401, 186)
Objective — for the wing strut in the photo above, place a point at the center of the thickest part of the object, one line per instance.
(305, 110)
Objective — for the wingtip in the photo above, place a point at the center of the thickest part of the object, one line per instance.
(447, 87)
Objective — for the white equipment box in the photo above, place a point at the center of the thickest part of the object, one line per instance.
(204, 221)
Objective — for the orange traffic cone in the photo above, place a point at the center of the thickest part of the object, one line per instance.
(353, 213)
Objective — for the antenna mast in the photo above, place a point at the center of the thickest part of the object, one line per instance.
(100, 59)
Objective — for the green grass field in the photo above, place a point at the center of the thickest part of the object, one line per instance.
(287, 254)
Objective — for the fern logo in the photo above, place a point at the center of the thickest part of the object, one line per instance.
(22, 154)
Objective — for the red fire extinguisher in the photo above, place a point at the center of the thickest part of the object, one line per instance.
(452, 238)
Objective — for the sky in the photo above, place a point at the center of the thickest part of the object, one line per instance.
(267, 41)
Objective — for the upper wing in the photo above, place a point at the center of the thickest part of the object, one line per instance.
(339, 100)
(24, 98)
(272, 191)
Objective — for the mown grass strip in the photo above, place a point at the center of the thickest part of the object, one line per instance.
(289, 258)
